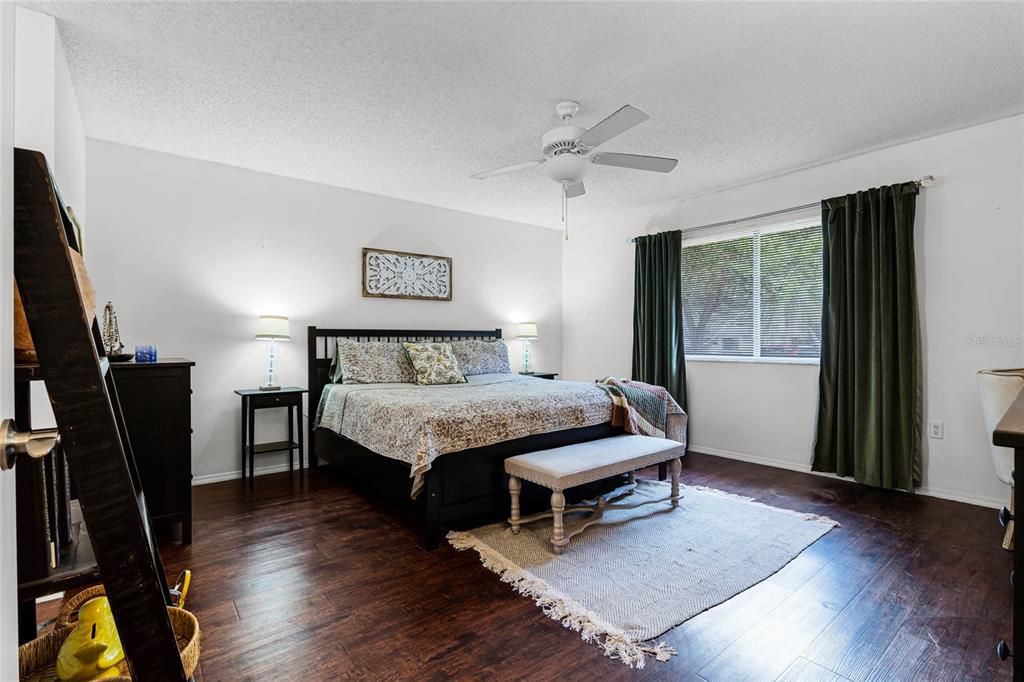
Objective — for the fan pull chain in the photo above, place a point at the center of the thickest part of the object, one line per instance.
(565, 211)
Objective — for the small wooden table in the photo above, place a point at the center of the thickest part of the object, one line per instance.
(254, 399)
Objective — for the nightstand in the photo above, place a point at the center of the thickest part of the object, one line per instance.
(540, 375)
(254, 399)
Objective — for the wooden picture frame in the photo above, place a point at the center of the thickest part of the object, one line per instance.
(402, 274)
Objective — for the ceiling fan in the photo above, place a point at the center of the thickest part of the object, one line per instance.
(569, 150)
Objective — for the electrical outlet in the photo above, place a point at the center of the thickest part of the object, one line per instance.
(936, 429)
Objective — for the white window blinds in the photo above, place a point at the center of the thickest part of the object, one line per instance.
(754, 292)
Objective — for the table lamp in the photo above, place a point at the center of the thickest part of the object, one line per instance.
(272, 328)
(526, 331)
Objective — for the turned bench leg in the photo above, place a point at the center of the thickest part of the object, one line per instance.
(676, 466)
(558, 534)
(514, 487)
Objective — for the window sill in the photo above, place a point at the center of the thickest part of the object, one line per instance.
(763, 361)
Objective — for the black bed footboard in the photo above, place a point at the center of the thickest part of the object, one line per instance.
(462, 489)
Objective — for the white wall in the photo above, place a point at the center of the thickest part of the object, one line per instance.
(190, 252)
(46, 115)
(68, 138)
(970, 239)
(35, 54)
(47, 119)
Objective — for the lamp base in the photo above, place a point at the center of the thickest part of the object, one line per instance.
(270, 378)
(526, 357)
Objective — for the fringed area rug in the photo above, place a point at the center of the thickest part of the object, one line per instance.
(640, 572)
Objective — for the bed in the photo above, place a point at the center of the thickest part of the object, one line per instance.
(437, 452)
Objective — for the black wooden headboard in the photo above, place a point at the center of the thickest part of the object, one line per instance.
(323, 344)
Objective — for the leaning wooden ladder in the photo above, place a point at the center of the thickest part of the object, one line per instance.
(90, 423)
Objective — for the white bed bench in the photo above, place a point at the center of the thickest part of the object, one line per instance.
(562, 468)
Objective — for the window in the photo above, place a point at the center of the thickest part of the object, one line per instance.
(754, 293)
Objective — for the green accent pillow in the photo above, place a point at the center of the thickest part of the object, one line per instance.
(434, 363)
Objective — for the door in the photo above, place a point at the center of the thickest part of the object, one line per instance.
(8, 544)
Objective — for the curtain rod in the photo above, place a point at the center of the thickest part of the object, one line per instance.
(926, 181)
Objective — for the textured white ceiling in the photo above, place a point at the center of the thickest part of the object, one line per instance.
(408, 100)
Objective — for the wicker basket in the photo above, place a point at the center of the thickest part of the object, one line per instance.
(37, 659)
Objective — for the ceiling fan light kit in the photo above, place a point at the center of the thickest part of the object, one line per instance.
(569, 150)
(567, 168)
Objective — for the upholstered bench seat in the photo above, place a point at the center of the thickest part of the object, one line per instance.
(562, 468)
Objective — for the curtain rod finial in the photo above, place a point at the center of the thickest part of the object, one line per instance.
(926, 181)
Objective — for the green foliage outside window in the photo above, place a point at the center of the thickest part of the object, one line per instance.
(754, 296)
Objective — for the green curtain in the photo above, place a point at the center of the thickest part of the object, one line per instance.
(869, 403)
(658, 313)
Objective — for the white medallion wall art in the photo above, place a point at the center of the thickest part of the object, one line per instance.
(397, 274)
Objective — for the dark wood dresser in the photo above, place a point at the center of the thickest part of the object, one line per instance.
(1009, 433)
(156, 399)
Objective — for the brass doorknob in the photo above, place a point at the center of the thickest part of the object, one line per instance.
(35, 444)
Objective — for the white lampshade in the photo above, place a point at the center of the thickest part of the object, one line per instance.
(526, 330)
(273, 327)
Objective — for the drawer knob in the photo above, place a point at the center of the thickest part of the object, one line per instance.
(1003, 650)
(1005, 517)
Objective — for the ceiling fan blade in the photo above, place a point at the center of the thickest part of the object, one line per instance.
(616, 124)
(574, 190)
(507, 169)
(658, 164)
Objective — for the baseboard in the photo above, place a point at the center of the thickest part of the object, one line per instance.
(206, 479)
(979, 501)
(990, 502)
(758, 459)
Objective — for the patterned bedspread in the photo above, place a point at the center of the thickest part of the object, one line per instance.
(417, 424)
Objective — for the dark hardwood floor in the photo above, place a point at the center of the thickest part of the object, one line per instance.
(301, 581)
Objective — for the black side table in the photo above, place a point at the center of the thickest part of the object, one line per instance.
(254, 399)
(540, 375)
